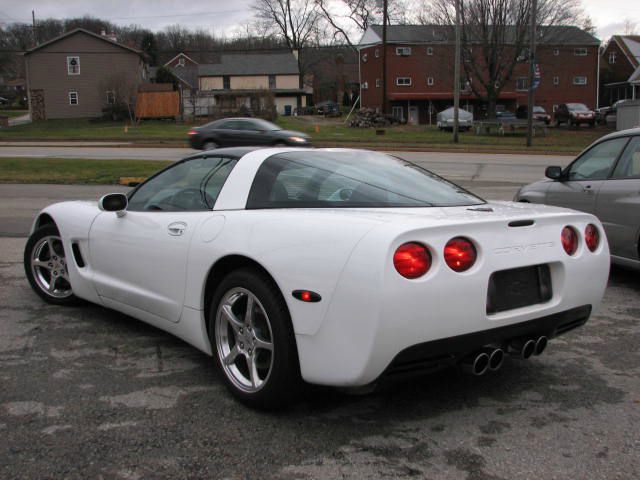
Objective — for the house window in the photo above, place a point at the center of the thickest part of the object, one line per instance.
(556, 80)
(403, 51)
(430, 81)
(429, 50)
(364, 57)
(612, 57)
(111, 97)
(378, 83)
(377, 53)
(580, 52)
(403, 81)
(73, 97)
(181, 62)
(365, 85)
(272, 82)
(522, 84)
(73, 65)
(226, 82)
(556, 51)
(580, 80)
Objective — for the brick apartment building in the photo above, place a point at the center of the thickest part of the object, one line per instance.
(420, 71)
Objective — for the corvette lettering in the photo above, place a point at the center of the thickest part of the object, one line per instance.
(522, 248)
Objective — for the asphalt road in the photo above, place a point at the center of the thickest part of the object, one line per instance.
(511, 168)
(89, 393)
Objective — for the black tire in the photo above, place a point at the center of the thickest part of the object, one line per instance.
(283, 383)
(280, 143)
(210, 145)
(64, 295)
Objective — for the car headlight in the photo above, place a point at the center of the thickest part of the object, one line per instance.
(298, 139)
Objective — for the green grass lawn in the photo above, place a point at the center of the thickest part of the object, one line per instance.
(74, 171)
(13, 113)
(331, 132)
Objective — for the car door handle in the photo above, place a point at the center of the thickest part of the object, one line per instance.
(587, 190)
(177, 228)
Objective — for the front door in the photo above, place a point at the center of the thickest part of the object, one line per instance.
(585, 176)
(413, 116)
(618, 203)
(139, 259)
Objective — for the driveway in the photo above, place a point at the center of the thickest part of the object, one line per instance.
(90, 393)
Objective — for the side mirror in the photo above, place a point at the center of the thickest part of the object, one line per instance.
(554, 173)
(113, 202)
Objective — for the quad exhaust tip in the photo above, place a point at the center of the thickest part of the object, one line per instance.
(541, 345)
(476, 364)
(496, 357)
(522, 348)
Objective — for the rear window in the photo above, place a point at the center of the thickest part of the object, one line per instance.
(350, 179)
(577, 106)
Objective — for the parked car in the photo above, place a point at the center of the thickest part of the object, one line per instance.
(607, 115)
(539, 114)
(444, 119)
(574, 114)
(336, 267)
(605, 181)
(234, 132)
(506, 115)
(328, 109)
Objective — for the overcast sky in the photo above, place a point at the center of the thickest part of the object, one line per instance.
(224, 16)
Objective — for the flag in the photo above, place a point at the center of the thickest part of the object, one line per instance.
(536, 76)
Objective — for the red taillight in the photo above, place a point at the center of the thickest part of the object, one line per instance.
(591, 237)
(460, 254)
(569, 239)
(192, 132)
(412, 260)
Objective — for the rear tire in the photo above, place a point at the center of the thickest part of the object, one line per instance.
(209, 145)
(45, 264)
(255, 353)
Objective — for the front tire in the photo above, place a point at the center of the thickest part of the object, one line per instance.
(45, 264)
(209, 145)
(253, 341)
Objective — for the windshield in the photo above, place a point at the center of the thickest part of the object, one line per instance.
(350, 179)
(538, 110)
(577, 106)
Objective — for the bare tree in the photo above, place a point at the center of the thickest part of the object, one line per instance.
(120, 92)
(292, 20)
(630, 27)
(495, 37)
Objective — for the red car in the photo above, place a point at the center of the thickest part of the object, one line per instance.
(574, 114)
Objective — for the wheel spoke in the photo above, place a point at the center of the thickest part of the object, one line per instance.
(231, 318)
(248, 314)
(52, 252)
(52, 284)
(262, 344)
(253, 370)
(42, 264)
(231, 356)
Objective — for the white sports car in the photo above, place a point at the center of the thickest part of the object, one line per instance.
(336, 267)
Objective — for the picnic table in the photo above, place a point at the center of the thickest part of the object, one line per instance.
(484, 127)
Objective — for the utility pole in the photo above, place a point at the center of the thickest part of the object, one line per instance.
(384, 56)
(35, 31)
(532, 66)
(456, 78)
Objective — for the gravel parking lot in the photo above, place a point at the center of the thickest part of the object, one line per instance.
(89, 393)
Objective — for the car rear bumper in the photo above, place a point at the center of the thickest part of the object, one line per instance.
(432, 356)
(195, 142)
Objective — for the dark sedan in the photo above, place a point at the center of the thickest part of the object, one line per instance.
(574, 114)
(238, 132)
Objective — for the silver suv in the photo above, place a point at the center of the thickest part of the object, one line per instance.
(603, 180)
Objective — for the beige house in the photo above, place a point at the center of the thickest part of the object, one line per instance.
(230, 82)
(79, 73)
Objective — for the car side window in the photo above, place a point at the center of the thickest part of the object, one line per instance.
(629, 164)
(189, 186)
(596, 163)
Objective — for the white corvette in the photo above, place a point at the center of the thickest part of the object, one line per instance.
(336, 267)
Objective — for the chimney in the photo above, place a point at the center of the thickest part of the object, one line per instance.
(103, 33)
(112, 36)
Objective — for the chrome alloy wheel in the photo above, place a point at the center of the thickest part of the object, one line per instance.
(49, 267)
(244, 340)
